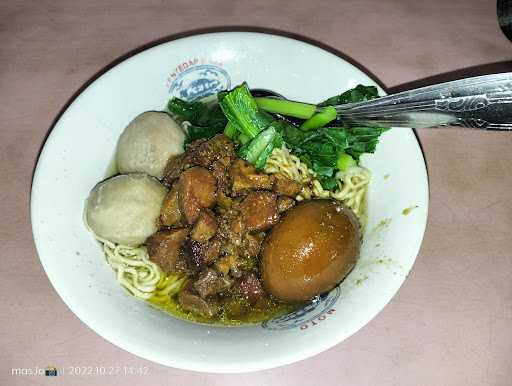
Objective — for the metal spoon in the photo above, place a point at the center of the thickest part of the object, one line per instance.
(482, 102)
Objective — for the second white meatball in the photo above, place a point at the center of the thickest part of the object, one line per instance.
(124, 209)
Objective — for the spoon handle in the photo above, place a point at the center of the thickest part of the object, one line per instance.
(482, 102)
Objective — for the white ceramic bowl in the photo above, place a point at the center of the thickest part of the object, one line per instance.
(80, 148)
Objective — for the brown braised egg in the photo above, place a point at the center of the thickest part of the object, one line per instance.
(310, 250)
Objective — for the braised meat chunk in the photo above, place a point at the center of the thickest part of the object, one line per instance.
(224, 202)
(284, 203)
(246, 178)
(176, 165)
(196, 190)
(250, 288)
(194, 303)
(226, 263)
(211, 251)
(217, 148)
(192, 252)
(205, 227)
(251, 245)
(164, 248)
(286, 186)
(219, 170)
(215, 154)
(231, 227)
(259, 210)
(211, 283)
(170, 214)
(199, 255)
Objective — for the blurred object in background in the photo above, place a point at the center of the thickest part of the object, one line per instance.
(504, 9)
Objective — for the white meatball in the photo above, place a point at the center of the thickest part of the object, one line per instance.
(124, 209)
(148, 142)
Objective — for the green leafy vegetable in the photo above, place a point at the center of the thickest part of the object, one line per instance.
(206, 119)
(197, 132)
(328, 149)
(328, 182)
(322, 170)
(320, 148)
(198, 113)
(363, 140)
(241, 110)
(325, 143)
(357, 94)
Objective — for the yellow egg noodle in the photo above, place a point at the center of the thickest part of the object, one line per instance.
(139, 275)
(352, 184)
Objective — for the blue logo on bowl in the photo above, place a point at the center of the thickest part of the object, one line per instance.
(200, 81)
(301, 318)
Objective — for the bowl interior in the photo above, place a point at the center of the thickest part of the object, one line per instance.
(80, 148)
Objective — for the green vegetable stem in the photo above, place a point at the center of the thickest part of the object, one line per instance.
(345, 161)
(286, 107)
(253, 149)
(242, 111)
(243, 139)
(230, 131)
(320, 119)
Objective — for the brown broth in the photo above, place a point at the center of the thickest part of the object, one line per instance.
(265, 309)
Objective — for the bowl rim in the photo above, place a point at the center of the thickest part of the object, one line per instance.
(137, 350)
